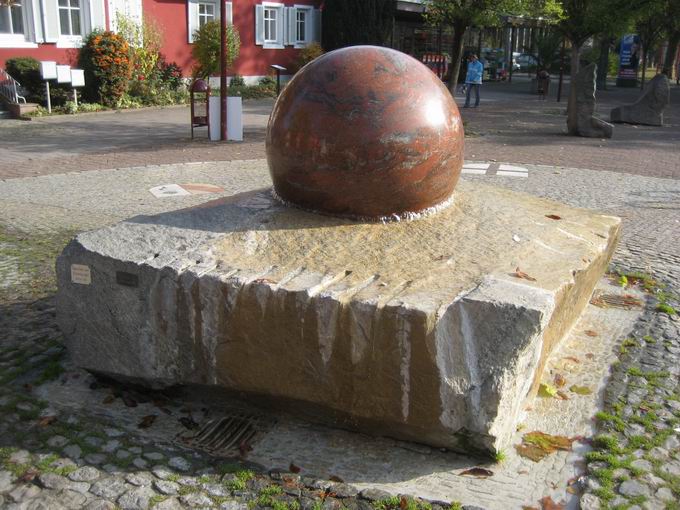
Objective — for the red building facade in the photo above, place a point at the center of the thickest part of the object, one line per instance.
(271, 32)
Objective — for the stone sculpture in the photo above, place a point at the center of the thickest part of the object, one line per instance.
(649, 107)
(365, 131)
(581, 120)
(422, 330)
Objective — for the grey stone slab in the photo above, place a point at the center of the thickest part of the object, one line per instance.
(109, 488)
(649, 107)
(84, 474)
(166, 487)
(437, 301)
(581, 119)
(136, 499)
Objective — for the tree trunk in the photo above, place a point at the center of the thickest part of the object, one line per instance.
(644, 67)
(671, 53)
(459, 28)
(603, 64)
(572, 115)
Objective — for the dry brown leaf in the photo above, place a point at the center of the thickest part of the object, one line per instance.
(563, 395)
(147, 421)
(553, 216)
(478, 472)
(590, 332)
(572, 358)
(403, 503)
(547, 503)
(536, 445)
(244, 448)
(265, 280)
(28, 476)
(46, 421)
(530, 452)
(560, 381)
(293, 468)
(523, 275)
(335, 478)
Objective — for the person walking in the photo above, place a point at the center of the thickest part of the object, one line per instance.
(473, 79)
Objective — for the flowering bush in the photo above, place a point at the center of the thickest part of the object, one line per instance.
(106, 61)
(169, 74)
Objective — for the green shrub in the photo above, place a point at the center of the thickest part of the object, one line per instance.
(252, 91)
(106, 61)
(206, 48)
(237, 81)
(307, 54)
(26, 70)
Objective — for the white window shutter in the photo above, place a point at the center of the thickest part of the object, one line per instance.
(259, 24)
(97, 15)
(51, 27)
(32, 30)
(317, 25)
(280, 27)
(192, 19)
(230, 12)
(289, 23)
(85, 17)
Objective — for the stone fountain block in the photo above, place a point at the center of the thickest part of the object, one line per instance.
(418, 330)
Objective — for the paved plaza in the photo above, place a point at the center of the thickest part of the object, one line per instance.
(69, 440)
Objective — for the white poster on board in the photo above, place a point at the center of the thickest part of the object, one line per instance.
(63, 74)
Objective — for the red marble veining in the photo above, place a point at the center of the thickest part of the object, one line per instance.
(365, 131)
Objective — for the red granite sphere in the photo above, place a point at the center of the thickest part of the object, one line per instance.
(365, 131)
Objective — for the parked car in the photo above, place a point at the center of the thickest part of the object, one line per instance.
(524, 62)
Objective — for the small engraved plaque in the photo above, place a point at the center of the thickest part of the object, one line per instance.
(80, 273)
(127, 279)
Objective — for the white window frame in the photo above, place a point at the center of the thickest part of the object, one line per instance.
(205, 16)
(71, 40)
(278, 43)
(308, 10)
(193, 15)
(22, 40)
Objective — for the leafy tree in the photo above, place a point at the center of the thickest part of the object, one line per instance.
(463, 14)
(672, 28)
(353, 22)
(206, 48)
(547, 49)
(649, 25)
(145, 40)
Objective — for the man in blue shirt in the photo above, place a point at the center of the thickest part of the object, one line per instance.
(473, 79)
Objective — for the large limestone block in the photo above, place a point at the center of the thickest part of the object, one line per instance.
(417, 330)
(649, 107)
(581, 119)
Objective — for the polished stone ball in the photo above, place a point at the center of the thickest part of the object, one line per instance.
(365, 131)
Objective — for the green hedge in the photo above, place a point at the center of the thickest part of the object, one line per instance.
(26, 70)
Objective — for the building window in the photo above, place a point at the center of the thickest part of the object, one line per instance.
(301, 26)
(206, 12)
(270, 17)
(69, 17)
(11, 20)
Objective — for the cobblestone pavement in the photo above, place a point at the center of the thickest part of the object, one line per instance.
(511, 125)
(109, 446)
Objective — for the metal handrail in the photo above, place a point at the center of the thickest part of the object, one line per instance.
(9, 88)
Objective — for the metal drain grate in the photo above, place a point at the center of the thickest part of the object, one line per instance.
(227, 435)
(616, 301)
